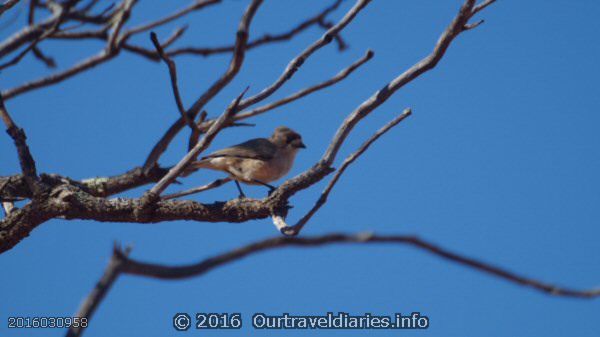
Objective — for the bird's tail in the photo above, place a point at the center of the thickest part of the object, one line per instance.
(195, 166)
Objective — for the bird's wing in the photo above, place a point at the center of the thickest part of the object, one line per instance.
(259, 148)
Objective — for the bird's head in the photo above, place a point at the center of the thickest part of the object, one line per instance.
(287, 138)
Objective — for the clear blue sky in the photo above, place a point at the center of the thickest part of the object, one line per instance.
(498, 162)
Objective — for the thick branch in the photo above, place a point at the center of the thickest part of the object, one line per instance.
(20, 222)
(18, 136)
(107, 186)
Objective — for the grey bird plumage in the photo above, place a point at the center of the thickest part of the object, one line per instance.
(257, 161)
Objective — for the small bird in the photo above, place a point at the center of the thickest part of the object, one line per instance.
(257, 161)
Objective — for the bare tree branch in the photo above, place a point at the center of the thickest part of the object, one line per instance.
(428, 63)
(62, 13)
(107, 186)
(294, 230)
(265, 39)
(112, 49)
(89, 306)
(8, 4)
(164, 142)
(20, 139)
(120, 19)
(234, 66)
(195, 6)
(295, 64)
(199, 189)
(198, 148)
(173, 73)
(34, 32)
(168, 272)
(323, 167)
(24, 36)
(204, 51)
(121, 263)
(20, 222)
(84, 65)
(70, 199)
(150, 54)
(482, 6)
(31, 13)
(47, 60)
(337, 78)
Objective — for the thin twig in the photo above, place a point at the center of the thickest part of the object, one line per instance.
(482, 6)
(8, 4)
(120, 20)
(73, 200)
(47, 60)
(196, 5)
(234, 66)
(335, 79)
(63, 11)
(427, 63)
(299, 60)
(95, 60)
(294, 230)
(195, 190)
(173, 74)
(31, 13)
(265, 39)
(152, 55)
(324, 166)
(103, 56)
(198, 148)
(295, 64)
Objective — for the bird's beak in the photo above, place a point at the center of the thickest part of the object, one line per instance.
(298, 144)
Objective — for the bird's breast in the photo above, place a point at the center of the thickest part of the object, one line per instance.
(271, 170)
